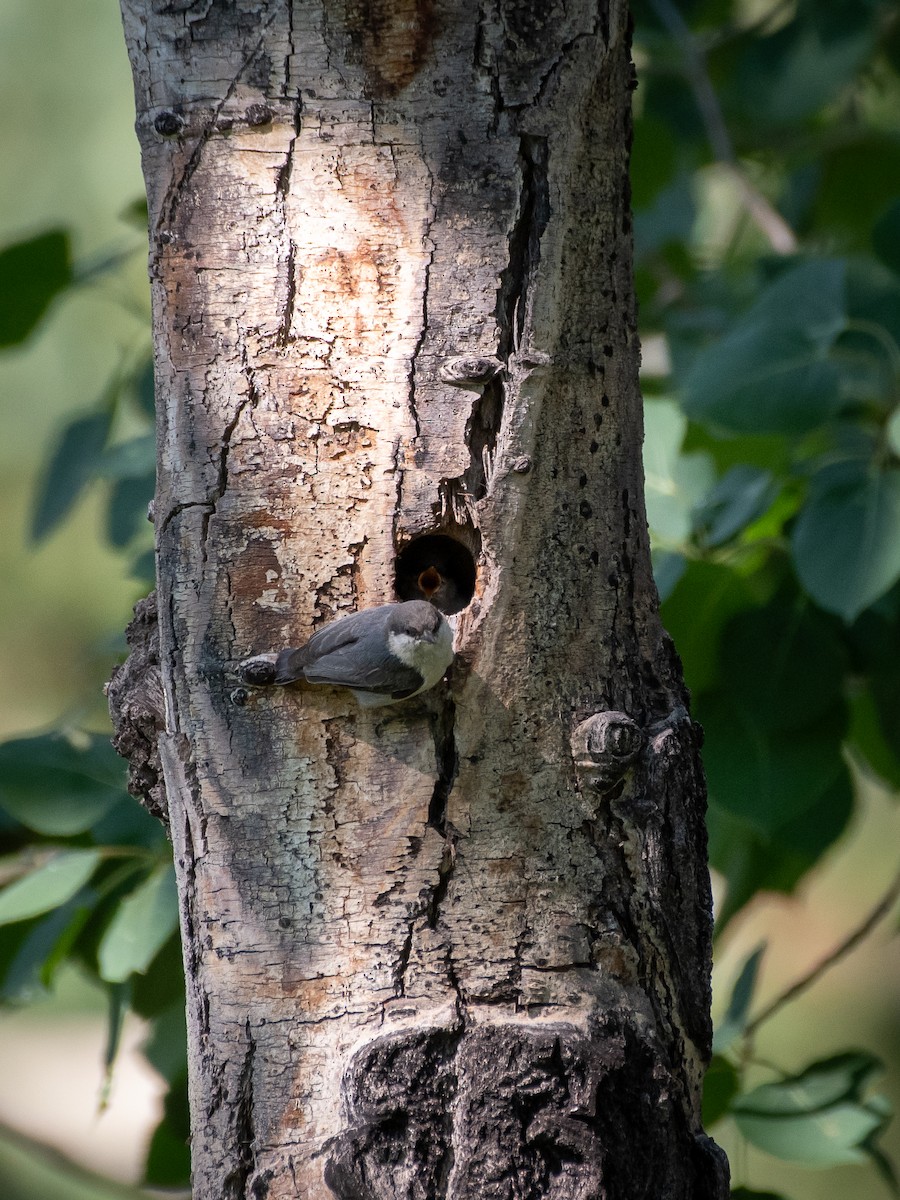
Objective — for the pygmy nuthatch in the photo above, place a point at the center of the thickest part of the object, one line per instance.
(382, 654)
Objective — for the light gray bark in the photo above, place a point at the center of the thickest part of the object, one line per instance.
(457, 948)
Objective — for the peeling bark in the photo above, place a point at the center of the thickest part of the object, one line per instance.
(458, 947)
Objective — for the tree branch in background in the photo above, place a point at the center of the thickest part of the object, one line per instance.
(767, 219)
(850, 942)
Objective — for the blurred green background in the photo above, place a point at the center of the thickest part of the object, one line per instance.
(70, 159)
(767, 141)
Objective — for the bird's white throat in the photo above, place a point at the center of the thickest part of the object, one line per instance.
(430, 659)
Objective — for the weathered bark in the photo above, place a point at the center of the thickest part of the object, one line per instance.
(459, 947)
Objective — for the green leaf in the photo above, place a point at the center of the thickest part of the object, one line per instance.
(851, 195)
(746, 1194)
(166, 1047)
(873, 305)
(846, 541)
(667, 221)
(668, 568)
(770, 452)
(49, 886)
(143, 922)
(57, 786)
(817, 1139)
(735, 1020)
(143, 569)
(771, 371)
(32, 273)
(740, 496)
(782, 663)
(793, 72)
(829, 1081)
(128, 460)
(886, 237)
(818, 1117)
(144, 389)
(892, 431)
(135, 213)
(810, 833)
(752, 862)
(720, 1085)
(653, 160)
(127, 823)
(674, 482)
(866, 736)
(875, 643)
(704, 599)
(76, 915)
(117, 1007)
(168, 1158)
(45, 944)
(73, 463)
(126, 514)
(763, 776)
(162, 985)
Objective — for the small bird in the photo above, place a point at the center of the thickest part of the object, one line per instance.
(437, 569)
(382, 654)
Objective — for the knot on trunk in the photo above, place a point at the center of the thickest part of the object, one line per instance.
(604, 747)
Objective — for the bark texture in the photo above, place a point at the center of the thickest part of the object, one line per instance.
(458, 948)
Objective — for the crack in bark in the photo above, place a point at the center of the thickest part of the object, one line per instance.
(397, 472)
(234, 1185)
(481, 433)
(513, 310)
(287, 317)
(282, 191)
(403, 958)
(179, 508)
(601, 26)
(423, 332)
(516, 279)
(209, 505)
(441, 888)
(292, 50)
(172, 660)
(447, 760)
(251, 400)
(177, 187)
(483, 59)
(189, 891)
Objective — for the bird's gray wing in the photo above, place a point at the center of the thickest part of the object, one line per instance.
(345, 631)
(383, 672)
(332, 656)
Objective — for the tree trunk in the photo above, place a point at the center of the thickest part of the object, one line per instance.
(457, 947)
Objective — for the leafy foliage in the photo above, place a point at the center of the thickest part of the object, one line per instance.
(819, 1117)
(772, 372)
(767, 219)
(32, 274)
(87, 453)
